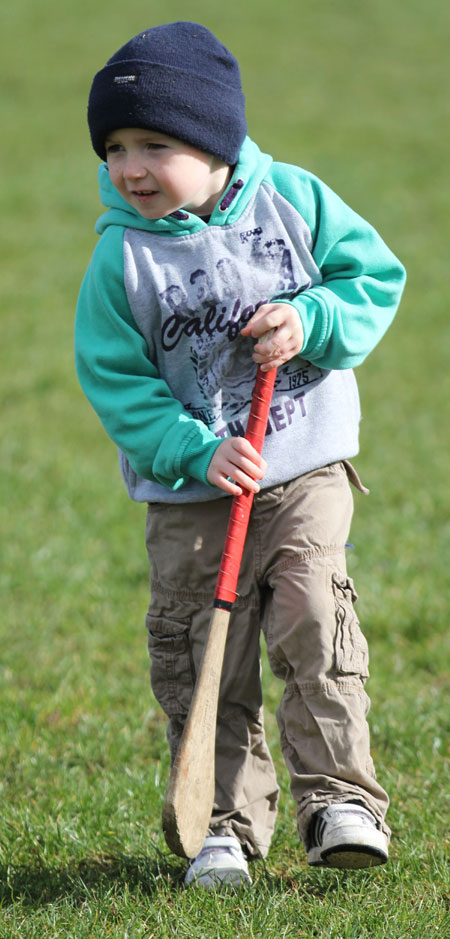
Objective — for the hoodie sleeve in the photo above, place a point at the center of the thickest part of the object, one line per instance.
(345, 315)
(161, 440)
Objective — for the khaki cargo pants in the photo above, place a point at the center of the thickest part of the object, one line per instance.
(294, 586)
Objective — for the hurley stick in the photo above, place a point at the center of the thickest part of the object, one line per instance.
(190, 793)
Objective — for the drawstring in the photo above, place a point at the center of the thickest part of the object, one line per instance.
(225, 204)
(231, 194)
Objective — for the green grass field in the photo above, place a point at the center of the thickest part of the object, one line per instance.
(357, 92)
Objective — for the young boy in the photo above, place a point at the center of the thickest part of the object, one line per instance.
(206, 245)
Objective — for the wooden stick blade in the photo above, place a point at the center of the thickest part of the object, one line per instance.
(189, 797)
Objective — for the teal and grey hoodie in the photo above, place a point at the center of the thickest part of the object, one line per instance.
(158, 347)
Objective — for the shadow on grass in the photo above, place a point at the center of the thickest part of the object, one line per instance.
(39, 885)
(113, 875)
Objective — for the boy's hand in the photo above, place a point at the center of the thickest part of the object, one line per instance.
(236, 458)
(286, 339)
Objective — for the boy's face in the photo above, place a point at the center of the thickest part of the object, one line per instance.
(158, 175)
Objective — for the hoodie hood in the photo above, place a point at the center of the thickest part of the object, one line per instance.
(250, 170)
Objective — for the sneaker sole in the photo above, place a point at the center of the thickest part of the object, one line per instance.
(225, 878)
(352, 857)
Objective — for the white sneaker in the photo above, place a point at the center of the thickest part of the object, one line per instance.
(221, 861)
(346, 835)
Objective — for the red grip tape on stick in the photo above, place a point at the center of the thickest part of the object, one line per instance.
(225, 593)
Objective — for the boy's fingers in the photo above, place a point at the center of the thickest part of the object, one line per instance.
(236, 465)
(235, 482)
(258, 327)
(275, 352)
(267, 350)
(246, 482)
(273, 339)
(265, 319)
(228, 486)
(243, 470)
(244, 449)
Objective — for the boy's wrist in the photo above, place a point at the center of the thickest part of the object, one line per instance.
(196, 463)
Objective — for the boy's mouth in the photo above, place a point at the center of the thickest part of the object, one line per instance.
(144, 193)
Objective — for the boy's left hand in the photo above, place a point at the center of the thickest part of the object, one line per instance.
(286, 339)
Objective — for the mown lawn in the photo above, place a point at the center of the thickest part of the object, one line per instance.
(358, 93)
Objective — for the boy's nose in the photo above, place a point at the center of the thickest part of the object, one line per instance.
(134, 168)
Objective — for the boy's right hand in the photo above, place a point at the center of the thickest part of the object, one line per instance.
(235, 466)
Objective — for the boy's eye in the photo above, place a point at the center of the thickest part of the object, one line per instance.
(113, 148)
(156, 146)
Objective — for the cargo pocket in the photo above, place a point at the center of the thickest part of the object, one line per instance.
(350, 646)
(172, 670)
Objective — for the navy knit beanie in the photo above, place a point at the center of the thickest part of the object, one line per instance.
(177, 79)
